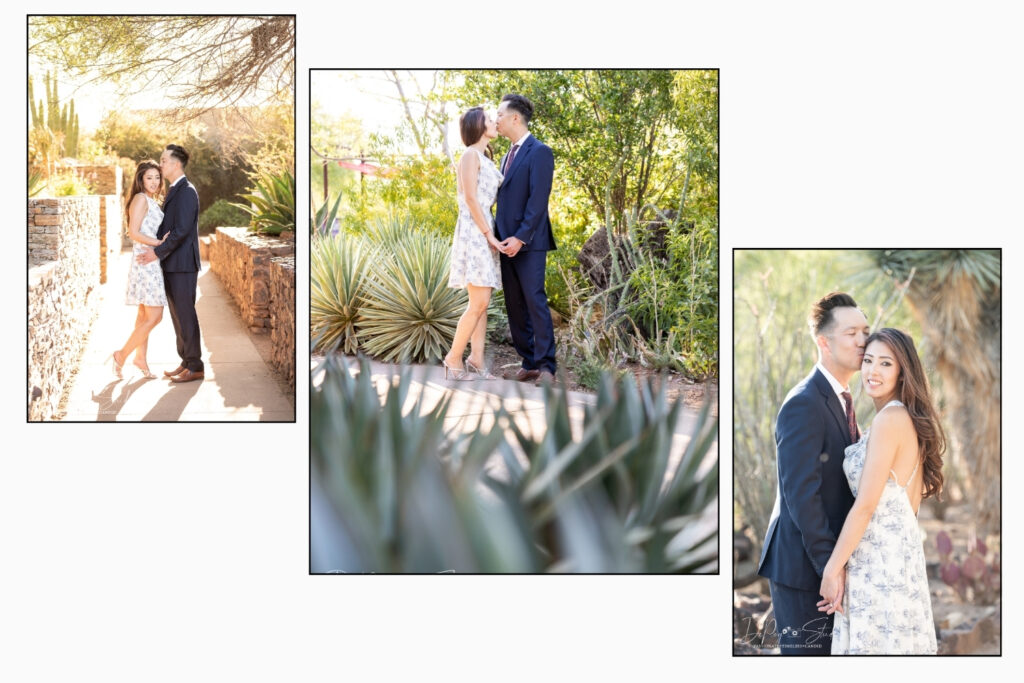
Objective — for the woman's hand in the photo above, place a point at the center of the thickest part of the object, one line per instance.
(493, 241)
(833, 585)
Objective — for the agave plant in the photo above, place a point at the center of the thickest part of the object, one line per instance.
(409, 313)
(35, 182)
(321, 220)
(390, 492)
(271, 203)
(383, 501)
(338, 272)
(626, 454)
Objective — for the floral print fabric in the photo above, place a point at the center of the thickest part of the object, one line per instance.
(473, 261)
(887, 605)
(146, 283)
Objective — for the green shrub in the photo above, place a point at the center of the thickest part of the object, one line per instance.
(68, 184)
(221, 214)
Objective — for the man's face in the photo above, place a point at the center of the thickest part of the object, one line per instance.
(847, 336)
(504, 120)
(169, 166)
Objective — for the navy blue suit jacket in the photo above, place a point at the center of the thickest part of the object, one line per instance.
(523, 197)
(813, 497)
(180, 251)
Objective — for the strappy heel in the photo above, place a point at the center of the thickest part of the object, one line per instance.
(146, 372)
(458, 375)
(117, 367)
(484, 374)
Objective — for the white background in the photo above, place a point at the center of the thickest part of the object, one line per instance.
(179, 552)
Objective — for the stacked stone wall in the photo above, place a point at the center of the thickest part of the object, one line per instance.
(64, 277)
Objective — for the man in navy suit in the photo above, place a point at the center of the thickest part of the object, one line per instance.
(179, 258)
(813, 429)
(523, 226)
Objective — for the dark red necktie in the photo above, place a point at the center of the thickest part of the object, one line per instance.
(511, 156)
(851, 418)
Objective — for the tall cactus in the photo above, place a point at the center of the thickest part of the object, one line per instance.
(62, 122)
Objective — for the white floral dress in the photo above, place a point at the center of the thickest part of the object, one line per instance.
(146, 283)
(473, 261)
(888, 609)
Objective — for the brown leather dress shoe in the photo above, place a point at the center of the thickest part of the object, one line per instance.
(187, 376)
(545, 377)
(524, 375)
(176, 371)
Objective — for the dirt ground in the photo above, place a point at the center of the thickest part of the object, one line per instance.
(503, 358)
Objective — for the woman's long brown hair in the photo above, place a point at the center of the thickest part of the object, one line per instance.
(913, 392)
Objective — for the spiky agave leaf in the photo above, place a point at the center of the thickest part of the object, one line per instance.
(271, 203)
(338, 271)
(409, 313)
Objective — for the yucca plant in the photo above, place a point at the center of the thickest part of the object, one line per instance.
(338, 271)
(409, 313)
(271, 203)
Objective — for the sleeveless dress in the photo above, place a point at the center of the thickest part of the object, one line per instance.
(888, 609)
(473, 261)
(146, 283)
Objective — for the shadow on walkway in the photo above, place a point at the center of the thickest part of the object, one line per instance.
(238, 385)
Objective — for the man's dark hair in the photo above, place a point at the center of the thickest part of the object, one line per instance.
(521, 105)
(179, 153)
(822, 318)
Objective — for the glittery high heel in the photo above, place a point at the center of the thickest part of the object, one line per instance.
(118, 367)
(458, 375)
(484, 374)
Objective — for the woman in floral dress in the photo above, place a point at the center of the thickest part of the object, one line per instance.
(884, 605)
(145, 282)
(474, 258)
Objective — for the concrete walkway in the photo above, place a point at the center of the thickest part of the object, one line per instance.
(238, 385)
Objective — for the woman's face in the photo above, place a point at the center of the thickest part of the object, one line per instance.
(491, 129)
(151, 180)
(878, 371)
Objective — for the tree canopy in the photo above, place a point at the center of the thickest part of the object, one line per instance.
(202, 62)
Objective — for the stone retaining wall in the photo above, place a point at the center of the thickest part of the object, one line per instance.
(241, 260)
(258, 272)
(64, 276)
(111, 233)
(282, 316)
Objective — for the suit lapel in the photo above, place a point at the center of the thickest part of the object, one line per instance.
(173, 191)
(833, 403)
(520, 155)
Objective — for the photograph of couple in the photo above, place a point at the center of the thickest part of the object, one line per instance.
(165, 263)
(156, 181)
(870, 500)
(506, 251)
(513, 307)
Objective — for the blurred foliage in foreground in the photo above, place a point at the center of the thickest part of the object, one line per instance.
(392, 492)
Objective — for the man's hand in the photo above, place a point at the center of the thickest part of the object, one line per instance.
(511, 246)
(147, 256)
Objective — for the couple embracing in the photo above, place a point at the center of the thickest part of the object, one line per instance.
(165, 263)
(507, 251)
(843, 551)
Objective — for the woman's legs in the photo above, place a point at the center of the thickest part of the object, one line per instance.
(147, 319)
(475, 315)
(476, 342)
